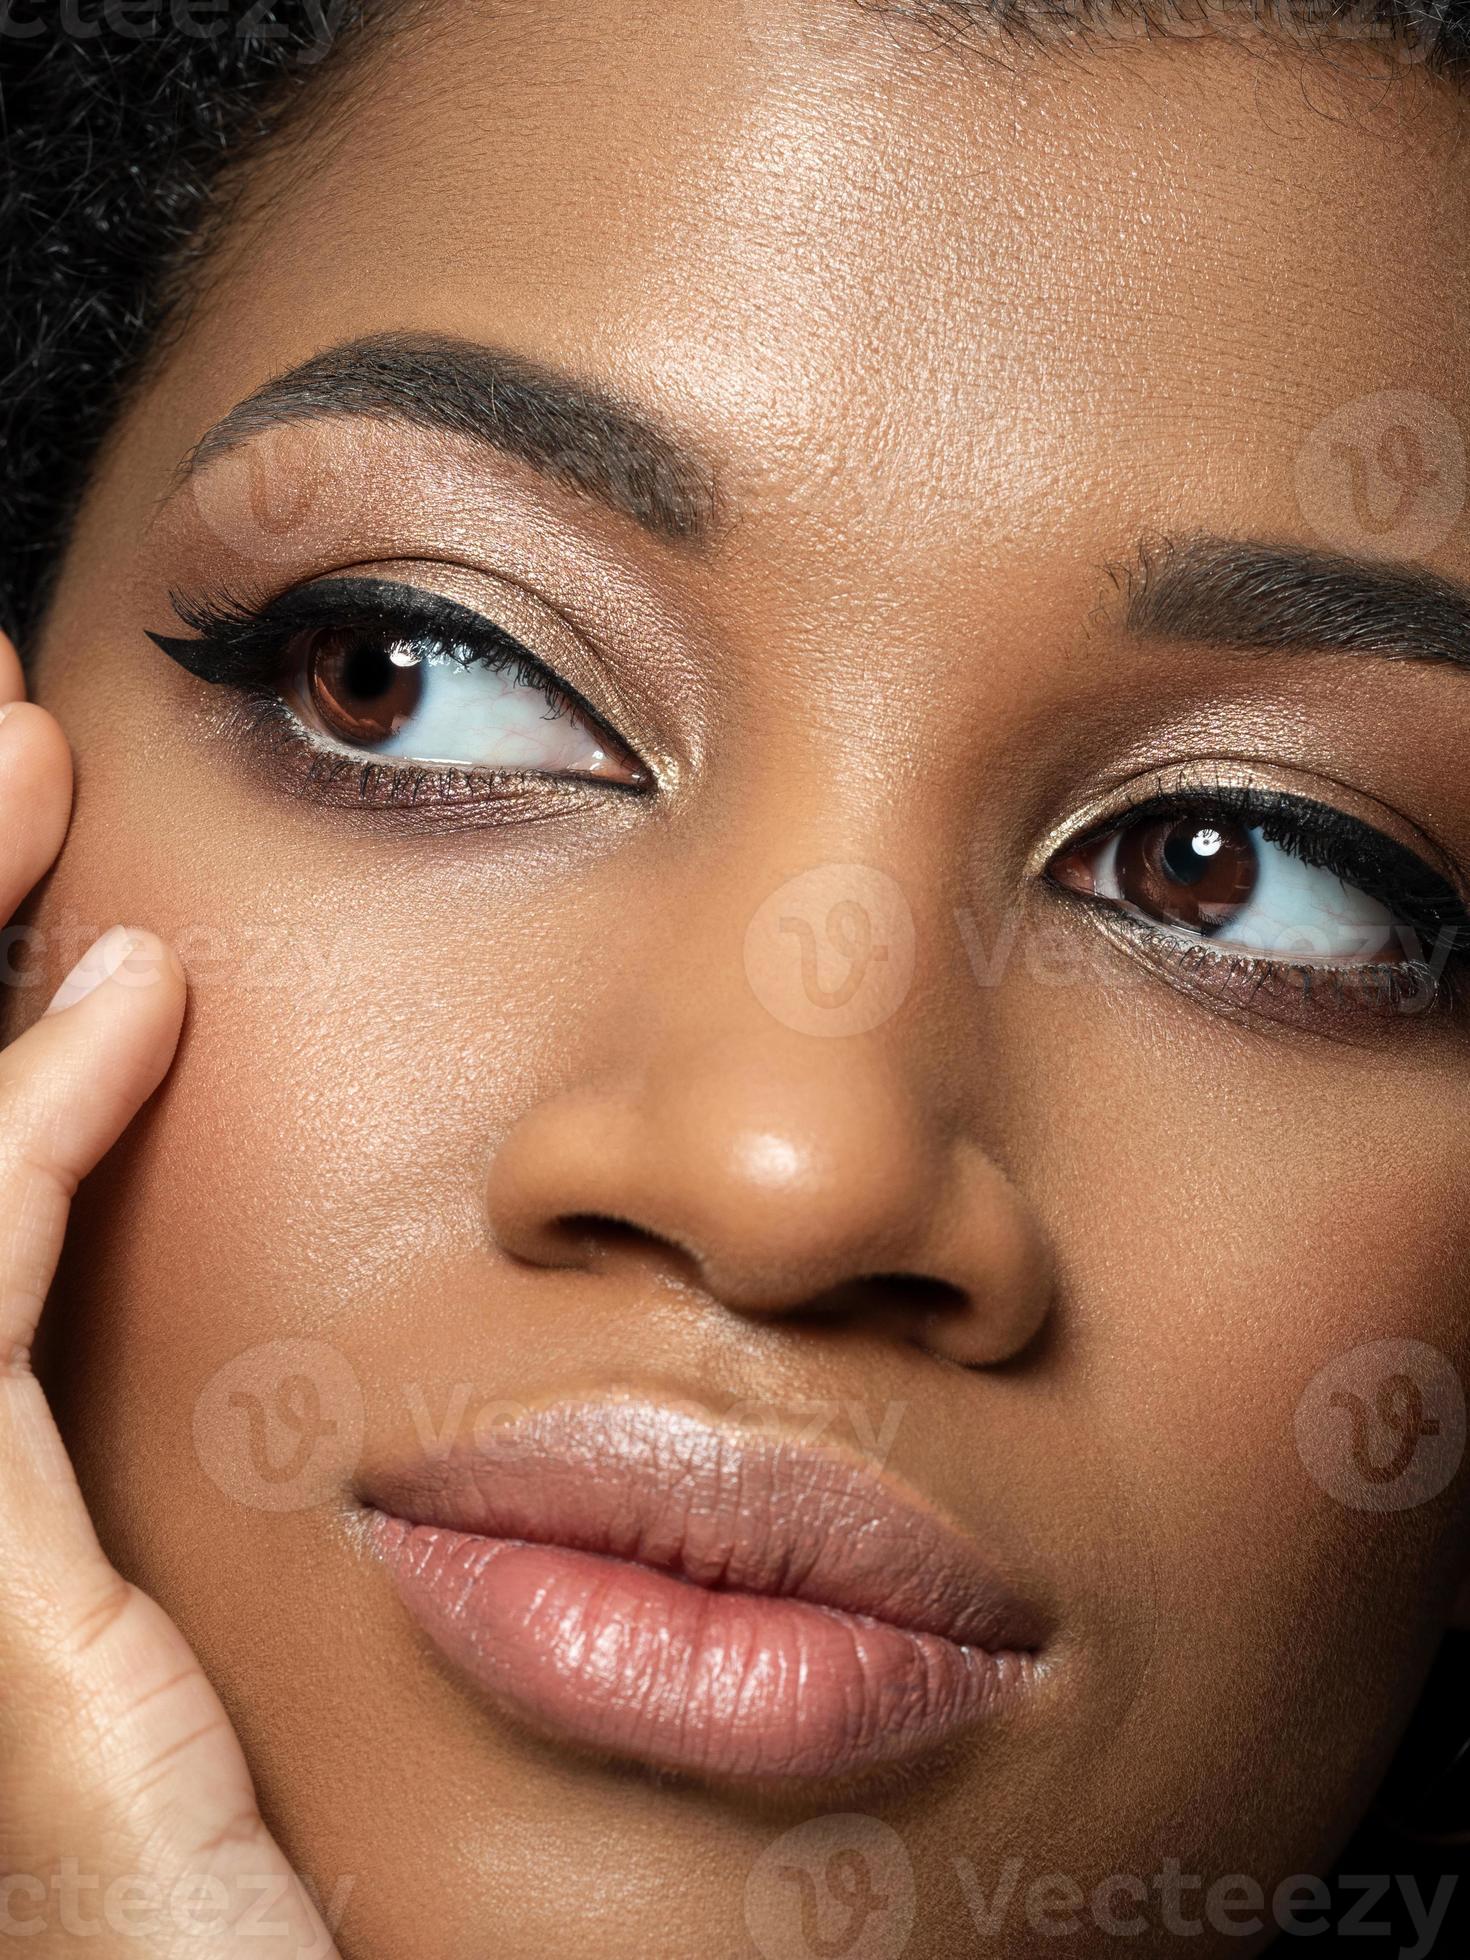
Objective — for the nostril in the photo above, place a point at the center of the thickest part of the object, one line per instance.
(921, 1290)
(600, 1226)
(916, 1294)
(594, 1236)
(587, 1238)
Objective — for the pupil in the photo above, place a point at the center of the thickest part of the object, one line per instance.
(367, 671)
(1189, 853)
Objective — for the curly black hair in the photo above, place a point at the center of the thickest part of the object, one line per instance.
(119, 127)
(123, 124)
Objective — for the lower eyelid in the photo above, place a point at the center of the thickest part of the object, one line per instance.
(423, 796)
(1322, 998)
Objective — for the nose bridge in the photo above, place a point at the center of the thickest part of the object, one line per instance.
(797, 965)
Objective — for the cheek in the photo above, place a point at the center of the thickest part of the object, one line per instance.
(1266, 1253)
(346, 1068)
(363, 1019)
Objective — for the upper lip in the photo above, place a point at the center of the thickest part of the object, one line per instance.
(725, 1507)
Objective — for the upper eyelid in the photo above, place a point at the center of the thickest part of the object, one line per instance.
(432, 612)
(532, 614)
(1237, 801)
(360, 600)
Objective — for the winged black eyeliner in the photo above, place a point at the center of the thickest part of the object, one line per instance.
(237, 645)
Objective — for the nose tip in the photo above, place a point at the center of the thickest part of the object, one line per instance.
(792, 1191)
(812, 1187)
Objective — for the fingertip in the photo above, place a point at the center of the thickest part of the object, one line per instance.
(100, 961)
(34, 751)
(152, 962)
(130, 957)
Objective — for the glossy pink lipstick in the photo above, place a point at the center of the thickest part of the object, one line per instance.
(639, 1580)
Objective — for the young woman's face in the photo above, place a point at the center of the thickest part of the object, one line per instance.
(801, 1054)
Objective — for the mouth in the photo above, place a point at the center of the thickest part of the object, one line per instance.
(643, 1582)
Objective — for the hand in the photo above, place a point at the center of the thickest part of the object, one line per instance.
(128, 1821)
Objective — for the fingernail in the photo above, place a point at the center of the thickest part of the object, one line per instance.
(100, 961)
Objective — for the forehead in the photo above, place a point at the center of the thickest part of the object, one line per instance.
(837, 249)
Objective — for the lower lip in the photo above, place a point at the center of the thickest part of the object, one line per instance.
(626, 1659)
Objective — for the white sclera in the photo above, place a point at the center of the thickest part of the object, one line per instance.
(480, 718)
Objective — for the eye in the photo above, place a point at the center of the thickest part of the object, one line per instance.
(1300, 884)
(395, 695)
(409, 680)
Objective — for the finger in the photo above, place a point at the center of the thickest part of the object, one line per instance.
(141, 1716)
(35, 796)
(69, 1086)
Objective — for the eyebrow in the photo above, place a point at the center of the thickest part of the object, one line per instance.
(580, 436)
(1278, 597)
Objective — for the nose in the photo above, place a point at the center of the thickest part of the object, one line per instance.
(782, 1178)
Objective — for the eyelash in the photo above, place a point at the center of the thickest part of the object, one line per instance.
(1328, 840)
(242, 648)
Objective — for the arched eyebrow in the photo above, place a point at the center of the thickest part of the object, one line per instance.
(580, 436)
(1268, 597)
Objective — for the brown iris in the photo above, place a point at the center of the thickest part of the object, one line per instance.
(362, 687)
(1195, 871)
(1183, 871)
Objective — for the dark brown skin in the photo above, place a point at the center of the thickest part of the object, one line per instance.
(952, 335)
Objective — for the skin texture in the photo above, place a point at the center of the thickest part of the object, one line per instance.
(952, 333)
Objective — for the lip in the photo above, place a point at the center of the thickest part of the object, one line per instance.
(643, 1582)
